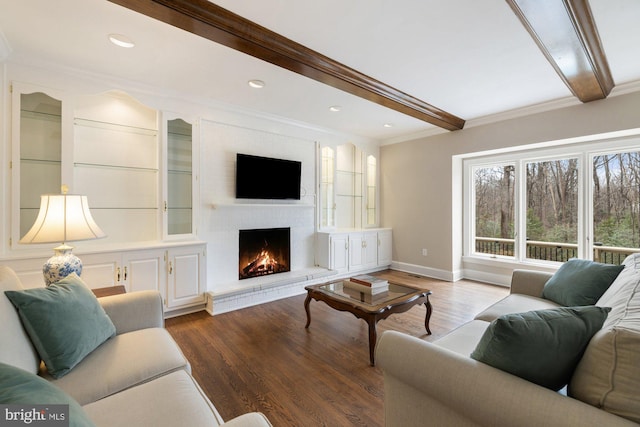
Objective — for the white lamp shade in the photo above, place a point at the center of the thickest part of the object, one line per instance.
(62, 218)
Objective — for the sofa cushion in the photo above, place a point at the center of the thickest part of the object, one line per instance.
(541, 346)
(464, 339)
(64, 321)
(623, 296)
(21, 352)
(515, 303)
(122, 362)
(25, 388)
(172, 400)
(608, 376)
(580, 282)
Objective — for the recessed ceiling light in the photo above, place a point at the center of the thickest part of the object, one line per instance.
(256, 84)
(121, 40)
(335, 108)
(388, 125)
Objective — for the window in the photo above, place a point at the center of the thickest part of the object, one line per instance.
(552, 209)
(553, 204)
(494, 209)
(616, 205)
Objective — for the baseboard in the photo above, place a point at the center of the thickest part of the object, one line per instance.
(434, 273)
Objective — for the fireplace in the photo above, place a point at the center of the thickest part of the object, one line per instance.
(264, 251)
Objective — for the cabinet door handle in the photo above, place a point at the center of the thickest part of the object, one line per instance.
(364, 243)
(170, 267)
(118, 274)
(125, 274)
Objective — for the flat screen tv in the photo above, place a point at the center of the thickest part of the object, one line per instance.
(267, 178)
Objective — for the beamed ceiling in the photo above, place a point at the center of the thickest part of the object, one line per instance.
(419, 65)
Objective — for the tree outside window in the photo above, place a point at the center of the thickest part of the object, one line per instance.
(528, 209)
(616, 205)
(494, 209)
(552, 209)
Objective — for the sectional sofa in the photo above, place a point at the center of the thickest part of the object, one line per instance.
(109, 359)
(458, 380)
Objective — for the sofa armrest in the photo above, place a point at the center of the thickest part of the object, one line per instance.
(529, 282)
(252, 419)
(425, 382)
(135, 310)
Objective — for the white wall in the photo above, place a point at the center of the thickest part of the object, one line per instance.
(421, 184)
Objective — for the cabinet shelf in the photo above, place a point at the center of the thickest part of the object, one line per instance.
(106, 166)
(128, 208)
(349, 195)
(351, 173)
(114, 127)
(41, 161)
(39, 115)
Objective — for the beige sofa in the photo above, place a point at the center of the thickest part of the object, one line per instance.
(139, 377)
(439, 384)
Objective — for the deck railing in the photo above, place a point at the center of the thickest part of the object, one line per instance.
(549, 251)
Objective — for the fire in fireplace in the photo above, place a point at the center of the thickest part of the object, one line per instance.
(264, 251)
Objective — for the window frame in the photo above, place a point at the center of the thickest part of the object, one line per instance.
(584, 149)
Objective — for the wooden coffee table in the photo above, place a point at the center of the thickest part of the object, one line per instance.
(372, 309)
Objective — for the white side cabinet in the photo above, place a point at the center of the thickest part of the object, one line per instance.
(186, 279)
(354, 250)
(177, 271)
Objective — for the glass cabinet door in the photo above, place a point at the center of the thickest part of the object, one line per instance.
(327, 188)
(372, 177)
(179, 202)
(39, 147)
(349, 186)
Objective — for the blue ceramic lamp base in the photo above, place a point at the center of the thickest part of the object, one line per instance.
(61, 265)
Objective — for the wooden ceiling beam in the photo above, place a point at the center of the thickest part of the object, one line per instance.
(566, 33)
(217, 24)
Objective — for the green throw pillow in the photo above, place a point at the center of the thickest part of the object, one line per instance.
(580, 282)
(64, 321)
(542, 346)
(27, 390)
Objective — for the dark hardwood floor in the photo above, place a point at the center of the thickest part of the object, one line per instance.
(263, 359)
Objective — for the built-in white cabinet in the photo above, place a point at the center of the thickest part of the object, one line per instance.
(180, 142)
(116, 165)
(138, 170)
(37, 165)
(186, 276)
(177, 271)
(348, 188)
(104, 146)
(385, 248)
(354, 250)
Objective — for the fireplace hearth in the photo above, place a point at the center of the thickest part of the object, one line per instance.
(264, 251)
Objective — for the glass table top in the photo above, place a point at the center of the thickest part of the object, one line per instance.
(394, 292)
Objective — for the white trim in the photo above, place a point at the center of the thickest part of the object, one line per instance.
(449, 276)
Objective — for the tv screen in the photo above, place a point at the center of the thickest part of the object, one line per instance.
(267, 178)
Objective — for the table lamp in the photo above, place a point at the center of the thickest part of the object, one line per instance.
(62, 218)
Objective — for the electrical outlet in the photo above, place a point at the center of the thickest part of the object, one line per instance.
(424, 252)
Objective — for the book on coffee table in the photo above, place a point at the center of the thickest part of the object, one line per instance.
(371, 290)
(368, 297)
(369, 280)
